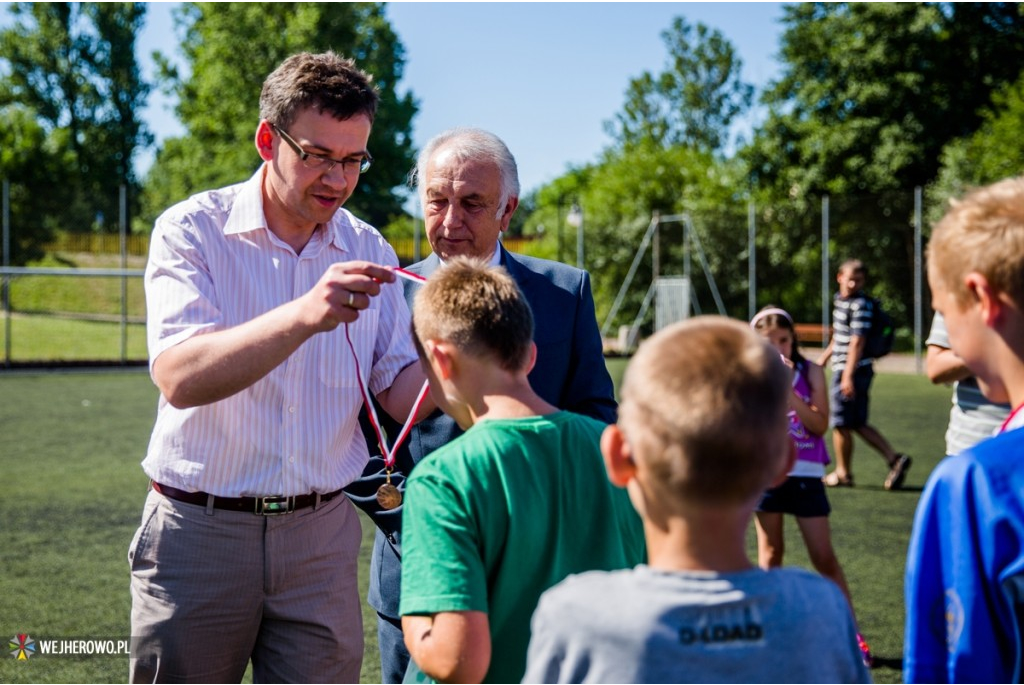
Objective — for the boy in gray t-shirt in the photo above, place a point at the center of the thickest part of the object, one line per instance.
(702, 433)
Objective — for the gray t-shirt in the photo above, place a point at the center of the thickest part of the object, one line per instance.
(648, 626)
(972, 418)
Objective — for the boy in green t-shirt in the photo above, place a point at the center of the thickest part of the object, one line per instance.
(510, 508)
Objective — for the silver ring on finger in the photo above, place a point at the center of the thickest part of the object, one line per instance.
(351, 298)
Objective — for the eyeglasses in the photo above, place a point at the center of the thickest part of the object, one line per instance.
(321, 163)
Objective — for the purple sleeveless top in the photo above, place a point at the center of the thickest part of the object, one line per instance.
(809, 447)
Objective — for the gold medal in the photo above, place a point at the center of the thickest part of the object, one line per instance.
(388, 496)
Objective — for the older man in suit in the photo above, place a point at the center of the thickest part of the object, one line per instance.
(469, 186)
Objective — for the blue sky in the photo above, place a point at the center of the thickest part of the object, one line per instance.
(543, 76)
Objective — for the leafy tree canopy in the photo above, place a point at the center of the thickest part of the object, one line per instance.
(38, 167)
(666, 160)
(989, 154)
(693, 101)
(873, 91)
(230, 48)
(71, 67)
(619, 196)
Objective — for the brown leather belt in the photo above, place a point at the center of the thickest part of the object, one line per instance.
(263, 506)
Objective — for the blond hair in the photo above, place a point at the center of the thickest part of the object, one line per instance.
(478, 308)
(983, 232)
(704, 407)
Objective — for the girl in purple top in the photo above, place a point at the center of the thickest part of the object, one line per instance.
(802, 494)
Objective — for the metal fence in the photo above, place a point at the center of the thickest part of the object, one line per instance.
(106, 326)
(92, 311)
(783, 252)
(780, 251)
(408, 250)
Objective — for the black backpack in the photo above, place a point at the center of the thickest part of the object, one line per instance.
(882, 332)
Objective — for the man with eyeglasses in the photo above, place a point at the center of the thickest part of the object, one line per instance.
(265, 302)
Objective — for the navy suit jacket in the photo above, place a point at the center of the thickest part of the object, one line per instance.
(569, 373)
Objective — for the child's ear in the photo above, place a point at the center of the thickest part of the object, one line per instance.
(440, 358)
(532, 359)
(989, 302)
(618, 457)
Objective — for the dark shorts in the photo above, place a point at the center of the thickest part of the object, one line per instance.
(847, 412)
(798, 496)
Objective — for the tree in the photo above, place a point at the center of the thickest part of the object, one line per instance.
(991, 153)
(38, 166)
(122, 91)
(73, 66)
(873, 91)
(619, 196)
(666, 159)
(870, 95)
(693, 101)
(230, 48)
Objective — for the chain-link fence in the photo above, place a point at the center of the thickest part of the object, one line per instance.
(83, 302)
(739, 257)
(72, 316)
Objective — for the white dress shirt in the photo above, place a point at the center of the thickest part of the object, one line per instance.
(214, 264)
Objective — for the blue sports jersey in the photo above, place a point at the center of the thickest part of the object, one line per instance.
(965, 568)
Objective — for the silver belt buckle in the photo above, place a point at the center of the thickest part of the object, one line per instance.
(274, 505)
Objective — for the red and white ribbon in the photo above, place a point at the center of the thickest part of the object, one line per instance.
(408, 275)
(388, 453)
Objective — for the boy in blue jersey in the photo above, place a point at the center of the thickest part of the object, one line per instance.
(965, 565)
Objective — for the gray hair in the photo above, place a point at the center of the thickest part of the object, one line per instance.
(476, 144)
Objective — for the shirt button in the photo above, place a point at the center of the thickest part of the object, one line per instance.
(291, 460)
(291, 410)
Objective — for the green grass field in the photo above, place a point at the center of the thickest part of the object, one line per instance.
(70, 447)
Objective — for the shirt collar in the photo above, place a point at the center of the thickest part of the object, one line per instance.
(247, 213)
(247, 210)
(495, 259)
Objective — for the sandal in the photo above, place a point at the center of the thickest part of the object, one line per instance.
(898, 472)
(833, 480)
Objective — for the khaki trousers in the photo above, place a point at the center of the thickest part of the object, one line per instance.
(212, 589)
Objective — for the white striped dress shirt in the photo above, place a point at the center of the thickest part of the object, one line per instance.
(214, 264)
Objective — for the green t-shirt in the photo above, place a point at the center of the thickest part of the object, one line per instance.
(504, 512)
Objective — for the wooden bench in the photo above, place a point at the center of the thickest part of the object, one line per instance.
(815, 333)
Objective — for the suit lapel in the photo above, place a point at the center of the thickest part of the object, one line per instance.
(520, 274)
(426, 267)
